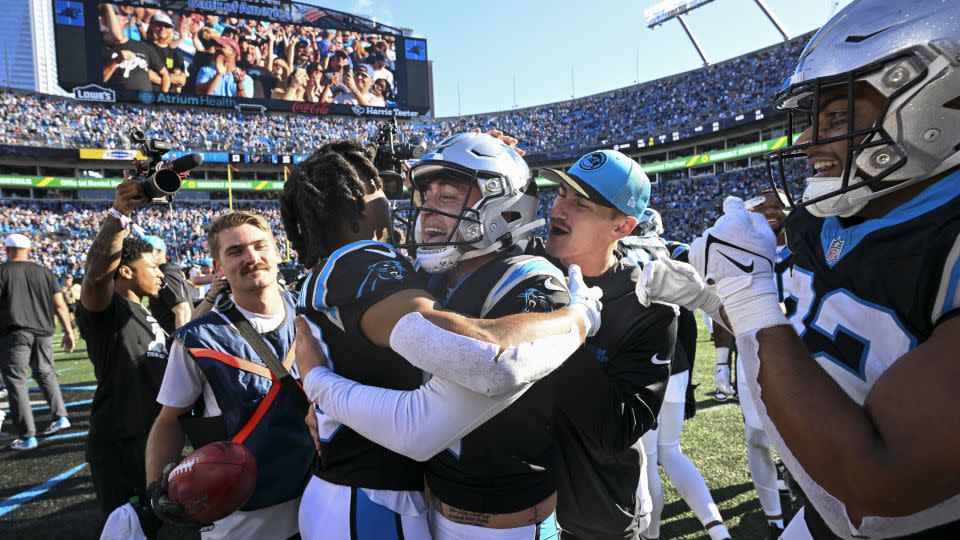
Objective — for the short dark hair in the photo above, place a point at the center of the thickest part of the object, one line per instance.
(133, 250)
(325, 190)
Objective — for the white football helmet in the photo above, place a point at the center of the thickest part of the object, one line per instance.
(909, 52)
(505, 214)
(650, 223)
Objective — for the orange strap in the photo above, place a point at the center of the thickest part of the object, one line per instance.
(254, 420)
(256, 369)
(239, 363)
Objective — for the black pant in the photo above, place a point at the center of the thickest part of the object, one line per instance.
(23, 354)
(118, 468)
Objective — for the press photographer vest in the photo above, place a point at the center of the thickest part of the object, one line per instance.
(257, 411)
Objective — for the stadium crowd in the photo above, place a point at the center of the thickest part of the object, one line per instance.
(682, 100)
(63, 231)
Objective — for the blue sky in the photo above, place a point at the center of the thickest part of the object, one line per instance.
(482, 46)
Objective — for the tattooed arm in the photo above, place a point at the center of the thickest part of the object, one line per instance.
(103, 259)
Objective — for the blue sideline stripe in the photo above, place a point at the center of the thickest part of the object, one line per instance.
(90, 388)
(47, 407)
(24, 497)
(61, 436)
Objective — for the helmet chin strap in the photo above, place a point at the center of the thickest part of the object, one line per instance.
(520, 231)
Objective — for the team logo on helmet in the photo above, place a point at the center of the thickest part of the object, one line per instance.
(593, 160)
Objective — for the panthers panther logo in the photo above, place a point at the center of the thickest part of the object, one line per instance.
(381, 270)
(535, 300)
(593, 160)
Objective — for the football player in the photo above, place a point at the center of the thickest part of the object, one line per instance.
(856, 389)
(377, 325)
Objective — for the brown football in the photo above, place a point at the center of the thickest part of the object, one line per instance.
(213, 482)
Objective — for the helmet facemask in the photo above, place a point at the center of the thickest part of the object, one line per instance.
(872, 154)
(487, 225)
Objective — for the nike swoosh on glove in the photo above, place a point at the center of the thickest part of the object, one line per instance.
(674, 282)
(738, 254)
(586, 299)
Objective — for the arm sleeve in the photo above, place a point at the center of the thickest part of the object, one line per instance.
(416, 423)
(478, 365)
(625, 393)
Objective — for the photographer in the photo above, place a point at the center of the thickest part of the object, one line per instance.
(127, 348)
(219, 385)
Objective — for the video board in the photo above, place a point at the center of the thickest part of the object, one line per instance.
(254, 55)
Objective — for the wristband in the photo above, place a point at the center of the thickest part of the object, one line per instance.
(124, 220)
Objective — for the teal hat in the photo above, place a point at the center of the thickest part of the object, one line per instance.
(608, 178)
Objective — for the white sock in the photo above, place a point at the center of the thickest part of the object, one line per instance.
(718, 532)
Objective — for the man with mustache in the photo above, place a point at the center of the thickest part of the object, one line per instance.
(218, 378)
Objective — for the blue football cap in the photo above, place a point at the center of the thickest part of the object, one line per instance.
(608, 178)
(206, 261)
(156, 242)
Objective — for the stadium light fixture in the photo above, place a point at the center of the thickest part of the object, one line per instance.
(666, 10)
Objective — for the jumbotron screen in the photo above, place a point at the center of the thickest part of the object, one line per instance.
(274, 54)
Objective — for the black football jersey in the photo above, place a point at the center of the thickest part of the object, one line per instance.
(334, 297)
(504, 465)
(867, 292)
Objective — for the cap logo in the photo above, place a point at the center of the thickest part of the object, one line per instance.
(593, 160)
(632, 203)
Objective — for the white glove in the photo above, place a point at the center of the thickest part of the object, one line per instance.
(738, 253)
(585, 299)
(675, 282)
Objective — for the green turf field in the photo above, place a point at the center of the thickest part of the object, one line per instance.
(713, 440)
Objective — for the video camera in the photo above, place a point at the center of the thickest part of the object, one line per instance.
(391, 151)
(160, 179)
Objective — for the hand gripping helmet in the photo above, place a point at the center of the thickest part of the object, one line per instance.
(909, 52)
(504, 215)
(650, 224)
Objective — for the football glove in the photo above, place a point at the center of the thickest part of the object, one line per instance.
(674, 282)
(585, 299)
(166, 509)
(738, 254)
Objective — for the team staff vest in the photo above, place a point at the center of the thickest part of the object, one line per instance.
(505, 465)
(262, 414)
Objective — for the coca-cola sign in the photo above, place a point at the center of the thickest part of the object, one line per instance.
(319, 109)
